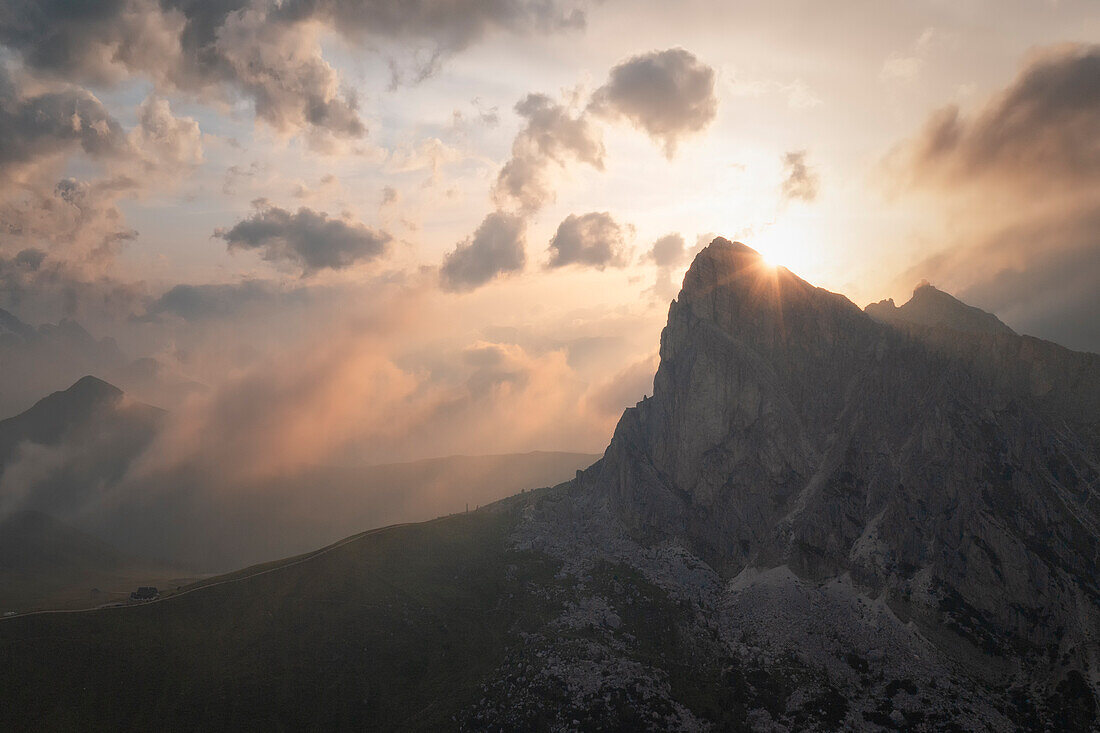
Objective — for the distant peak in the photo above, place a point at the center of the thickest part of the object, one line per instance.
(94, 388)
(932, 307)
(925, 289)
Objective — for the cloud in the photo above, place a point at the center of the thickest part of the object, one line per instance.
(262, 50)
(451, 25)
(496, 248)
(76, 221)
(164, 142)
(668, 251)
(1030, 258)
(271, 420)
(306, 238)
(280, 67)
(800, 182)
(1041, 130)
(550, 135)
(43, 126)
(44, 288)
(48, 130)
(668, 94)
(227, 300)
(592, 240)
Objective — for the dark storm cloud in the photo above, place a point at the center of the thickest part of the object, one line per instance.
(1032, 259)
(265, 51)
(551, 135)
(306, 238)
(668, 94)
(1044, 127)
(496, 248)
(592, 240)
(800, 182)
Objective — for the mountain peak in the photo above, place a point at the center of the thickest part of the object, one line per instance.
(731, 286)
(932, 307)
(94, 389)
(83, 404)
(722, 263)
(722, 247)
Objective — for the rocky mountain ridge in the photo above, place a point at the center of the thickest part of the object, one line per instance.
(932, 307)
(803, 450)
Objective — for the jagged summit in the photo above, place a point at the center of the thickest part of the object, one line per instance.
(731, 286)
(932, 307)
(735, 269)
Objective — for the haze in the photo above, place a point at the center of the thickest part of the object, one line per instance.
(337, 233)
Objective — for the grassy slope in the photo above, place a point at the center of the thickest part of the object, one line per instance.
(45, 563)
(392, 630)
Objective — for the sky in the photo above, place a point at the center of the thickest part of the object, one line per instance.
(392, 229)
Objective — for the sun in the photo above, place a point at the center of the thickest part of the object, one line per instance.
(785, 243)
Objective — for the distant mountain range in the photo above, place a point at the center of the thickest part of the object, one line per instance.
(38, 360)
(823, 519)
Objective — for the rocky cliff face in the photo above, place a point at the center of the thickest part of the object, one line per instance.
(942, 469)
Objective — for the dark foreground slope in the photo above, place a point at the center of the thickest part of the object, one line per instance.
(819, 521)
(391, 629)
(399, 628)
